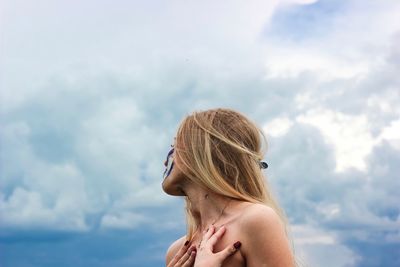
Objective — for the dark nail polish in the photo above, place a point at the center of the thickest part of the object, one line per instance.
(187, 242)
(237, 245)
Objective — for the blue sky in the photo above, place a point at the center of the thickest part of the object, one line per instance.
(92, 93)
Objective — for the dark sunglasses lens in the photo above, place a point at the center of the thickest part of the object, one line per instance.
(170, 169)
(169, 163)
(169, 154)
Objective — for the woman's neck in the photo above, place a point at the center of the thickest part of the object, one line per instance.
(208, 207)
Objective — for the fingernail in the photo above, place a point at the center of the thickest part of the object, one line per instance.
(237, 245)
(187, 242)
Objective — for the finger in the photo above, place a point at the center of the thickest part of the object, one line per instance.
(215, 237)
(185, 257)
(180, 253)
(190, 261)
(209, 233)
(228, 251)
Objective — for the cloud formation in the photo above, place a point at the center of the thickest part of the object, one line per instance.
(90, 105)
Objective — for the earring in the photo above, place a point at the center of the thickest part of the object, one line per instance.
(263, 165)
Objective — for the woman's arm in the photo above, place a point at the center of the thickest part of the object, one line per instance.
(265, 243)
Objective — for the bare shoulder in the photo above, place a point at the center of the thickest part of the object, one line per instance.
(264, 238)
(259, 215)
(174, 248)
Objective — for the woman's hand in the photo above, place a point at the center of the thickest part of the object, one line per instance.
(205, 257)
(185, 257)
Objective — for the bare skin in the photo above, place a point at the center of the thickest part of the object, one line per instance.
(256, 226)
(232, 234)
(205, 255)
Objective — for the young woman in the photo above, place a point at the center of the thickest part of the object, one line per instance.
(232, 218)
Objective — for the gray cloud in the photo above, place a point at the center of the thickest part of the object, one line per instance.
(86, 120)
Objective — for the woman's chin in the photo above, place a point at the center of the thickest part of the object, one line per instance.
(172, 189)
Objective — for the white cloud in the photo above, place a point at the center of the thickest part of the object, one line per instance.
(391, 134)
(314, 246)
(278, 127)
(124, 220)
(89, 109)
(307, 234)
(291, 61)
(301, 2)
(26, 209)
(383, 101)
(127, 41)
(329, 255)
(350, 135)
(345, 50)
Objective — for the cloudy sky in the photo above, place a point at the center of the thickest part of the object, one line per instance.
(92, 93)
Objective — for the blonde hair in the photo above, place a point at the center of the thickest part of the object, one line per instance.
(220, 149)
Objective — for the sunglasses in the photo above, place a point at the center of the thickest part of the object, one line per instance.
(169, 163)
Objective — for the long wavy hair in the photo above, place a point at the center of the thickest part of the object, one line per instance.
(220, 149)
